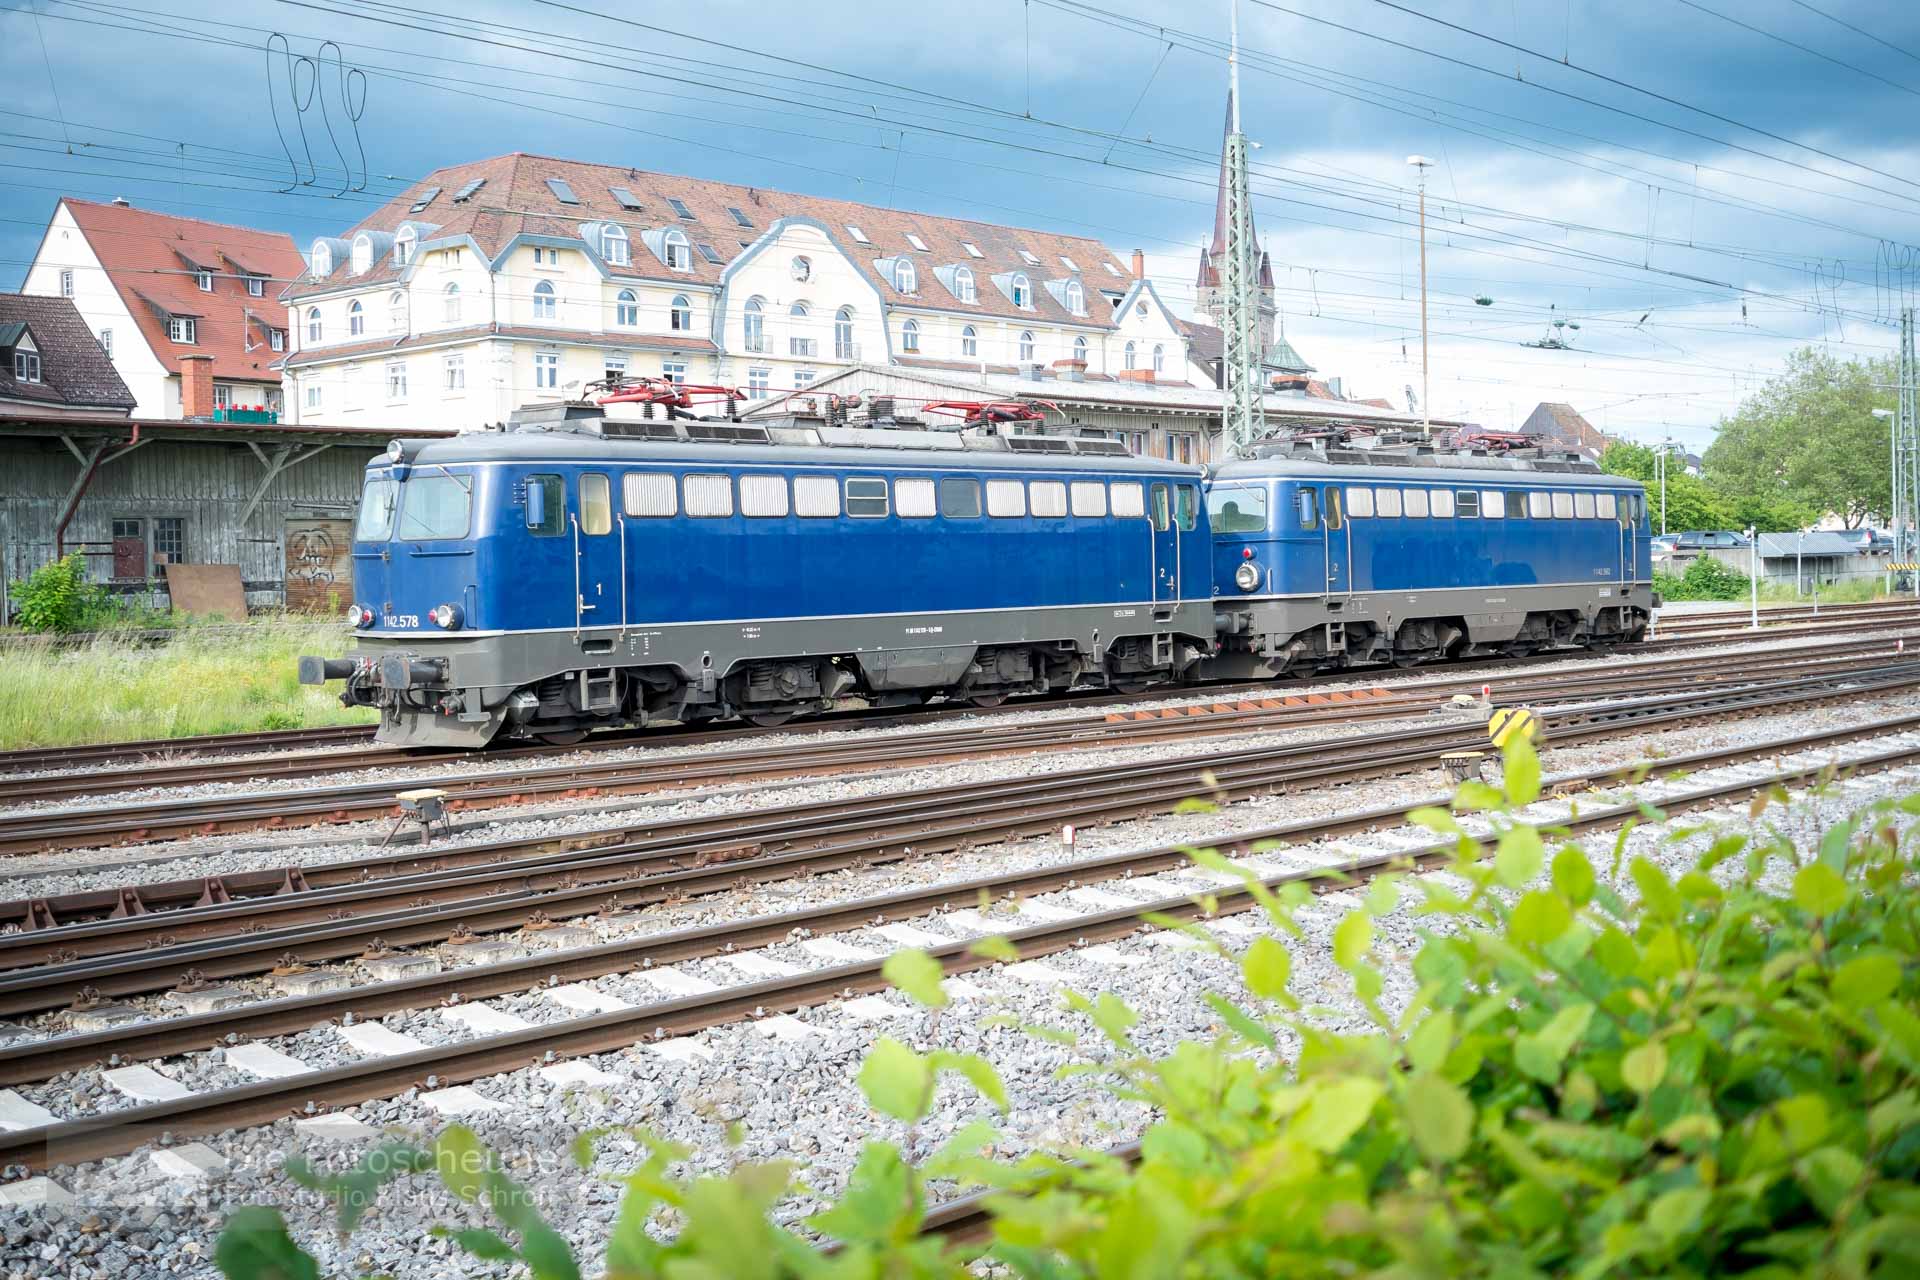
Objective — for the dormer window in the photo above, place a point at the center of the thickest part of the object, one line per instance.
(615, 247)
(362, 253)
(320, 259)
(678, 253)
(963, 286)
(1020, 290)
(858, 234)
(26, 365)
(917, 242)
(404, 244)
(973, 250)
(1029, 258)
(256, 286)
(277, 339)
(1076, 298)
(680, 207)
(905, 278)
(183, 329)
(562, 191)
(204, 279)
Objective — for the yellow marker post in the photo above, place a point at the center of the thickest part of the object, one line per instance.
(1510, 721)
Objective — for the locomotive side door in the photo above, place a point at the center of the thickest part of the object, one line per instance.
(1629, 539)
(598, 583)
(1338, 540)
(1165, 542)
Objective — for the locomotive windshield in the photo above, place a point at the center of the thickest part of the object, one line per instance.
(435, 507)
(377, 502)
(1237, 510)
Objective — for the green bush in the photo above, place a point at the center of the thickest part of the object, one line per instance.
(57, 596)
(1705, 578)
(1720, 1074)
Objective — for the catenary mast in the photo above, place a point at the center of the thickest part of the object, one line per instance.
(1245, 413)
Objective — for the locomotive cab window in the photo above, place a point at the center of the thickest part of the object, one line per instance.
(1186, 508)
(1466, 503)
(1237, 510)
(959, 498)
(596, 504)
(377, 502)
(1162, 508)
(435, 507)
(866, 497)
(1332, 508)
(546, 505)
(1307, 503)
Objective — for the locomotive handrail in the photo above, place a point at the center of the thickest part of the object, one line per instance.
(622, 519)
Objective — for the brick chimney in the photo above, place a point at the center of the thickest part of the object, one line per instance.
(1139, 265)
(196, 386)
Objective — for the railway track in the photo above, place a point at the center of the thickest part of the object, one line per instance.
(31, 831)
(319, 1090)
(136, 759)
(626, 868)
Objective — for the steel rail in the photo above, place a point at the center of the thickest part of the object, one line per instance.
(518, 899)
(39, 831)
(125, 1130)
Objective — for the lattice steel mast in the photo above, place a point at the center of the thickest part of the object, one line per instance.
(1906, 453)
(1245, 418)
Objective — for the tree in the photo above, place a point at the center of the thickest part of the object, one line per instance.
(1807, 443)
(1691, 503)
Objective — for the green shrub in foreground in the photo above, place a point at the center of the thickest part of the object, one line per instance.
(1720, 1076)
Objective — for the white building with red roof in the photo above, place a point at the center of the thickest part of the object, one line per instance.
(521, 278)
(188, 310)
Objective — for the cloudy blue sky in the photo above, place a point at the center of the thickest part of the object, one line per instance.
(1700, 187)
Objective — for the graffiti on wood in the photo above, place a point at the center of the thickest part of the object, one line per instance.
(319, 565)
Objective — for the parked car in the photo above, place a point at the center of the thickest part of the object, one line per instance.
(1869, 542)
(1709, 539)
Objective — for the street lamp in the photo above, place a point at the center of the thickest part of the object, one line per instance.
(1660, 454)
(1420, 165)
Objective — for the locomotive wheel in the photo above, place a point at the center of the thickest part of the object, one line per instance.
(563, 737)
(769, 719)
(1405, 660)
(987, 699)
(1132, 686)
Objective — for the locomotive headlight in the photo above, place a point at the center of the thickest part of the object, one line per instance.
(1247, 576)
(358, 615)
(447, 617)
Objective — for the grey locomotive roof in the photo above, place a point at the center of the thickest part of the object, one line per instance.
(1426, 468)
(890, 449)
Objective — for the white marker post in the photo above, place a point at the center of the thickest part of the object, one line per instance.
(1753, 572)
(1066, 836)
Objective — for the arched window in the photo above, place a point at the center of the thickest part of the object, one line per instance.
(969, 342)
(451, 301)
(756, 322)
(1159, 358)
(679, 252)
(963, 284)
(614, 246)
(396, 312)
(680, 316)
(356, 319)
(1126, 358)
(1076, 298)
(843, 345)
(1026, 346)
(910, 337)
(626, 309)
(544, 305)
(313, 324)
(905, 278)
(1020, 289)
(800, 311)
(322, 259)
(403, 245)
(362, 253)
(1080, 350)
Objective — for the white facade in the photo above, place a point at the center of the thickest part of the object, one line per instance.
(67, 266)
(448, 338)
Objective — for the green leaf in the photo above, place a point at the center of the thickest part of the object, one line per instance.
(547, 1254)
(1351, 939)
(1383, 895)
(1538, 918)
(1541, 1054)
(1438, 1116)
(1431, 1041)
(1818, 889)
(1656, 891)
(1830, 1175)
(1335, 1111)
(1266, 967)
(1573, 875)
(480, 1242)
(1644, 1067)
(897, 1081)
(995, 948)
(978, 1071)
(1477, 795)
(1521, 765)
(1866, 980)
(1893, 1116)
(1676, 1214)
(918, 974)
(254, 1245)
(1519, 857)
(462, 1161)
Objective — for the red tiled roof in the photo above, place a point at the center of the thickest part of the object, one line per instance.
(149, 257)
(529, 332)
(74, 370)
(515, 200)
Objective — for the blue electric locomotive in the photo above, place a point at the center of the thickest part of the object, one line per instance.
(1331, 557)
(573, 572)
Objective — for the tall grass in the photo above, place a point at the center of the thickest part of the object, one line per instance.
(204, 680)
